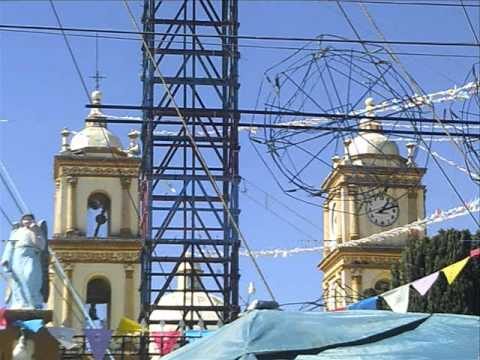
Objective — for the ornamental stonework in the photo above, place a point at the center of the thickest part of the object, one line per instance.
(368, 260)
(99, 257)
(97, 171)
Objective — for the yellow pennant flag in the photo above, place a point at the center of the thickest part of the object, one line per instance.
(127, 326)
(452, 271)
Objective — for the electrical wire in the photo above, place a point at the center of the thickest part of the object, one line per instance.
(199, 154)
(408, 3)
(248, 37)
(266, 47)
(418, 88)
(469, 21)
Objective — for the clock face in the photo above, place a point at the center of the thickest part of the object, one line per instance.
(382, 210)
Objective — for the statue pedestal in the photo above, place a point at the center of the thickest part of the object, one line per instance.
(21, 314)
(46, 347)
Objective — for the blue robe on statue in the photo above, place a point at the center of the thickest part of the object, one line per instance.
(23, 253)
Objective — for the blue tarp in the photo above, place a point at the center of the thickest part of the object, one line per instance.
(363, 334)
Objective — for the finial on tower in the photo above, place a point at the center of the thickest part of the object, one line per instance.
(368, 123)
(95, 113)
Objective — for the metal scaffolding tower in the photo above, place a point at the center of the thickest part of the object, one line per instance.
(185, 221)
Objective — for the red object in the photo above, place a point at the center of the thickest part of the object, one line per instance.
(475, 252)
(165, 340)
(3, 320)
(340, 309)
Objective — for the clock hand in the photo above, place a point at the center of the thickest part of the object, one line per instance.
(387, 208)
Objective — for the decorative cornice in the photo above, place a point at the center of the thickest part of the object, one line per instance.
(67, 165)
(109, 257)
(378, 257)
(107, 244)
(97, 171)
(369, 175)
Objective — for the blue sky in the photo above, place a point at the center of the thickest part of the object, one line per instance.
(40, 94)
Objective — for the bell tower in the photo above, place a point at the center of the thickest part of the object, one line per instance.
(371, 189)
(95, 234)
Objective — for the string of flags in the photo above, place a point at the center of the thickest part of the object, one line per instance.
(398, 298)
(99, 340)
(438, 216)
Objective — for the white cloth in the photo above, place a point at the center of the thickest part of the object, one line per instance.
(398, 298)
(28, 237)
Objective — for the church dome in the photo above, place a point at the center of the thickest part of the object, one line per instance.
(95, 135)
(372, 144)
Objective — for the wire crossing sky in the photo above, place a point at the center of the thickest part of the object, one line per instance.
(436, 42)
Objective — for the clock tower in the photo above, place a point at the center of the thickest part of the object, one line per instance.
(371, 189)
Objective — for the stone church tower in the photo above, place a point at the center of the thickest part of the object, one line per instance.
(371, 189)
(95, 234)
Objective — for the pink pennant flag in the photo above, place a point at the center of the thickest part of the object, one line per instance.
(165, 340)
(3, 319)
(99, 339)
(423, 284)
(397, 298)
(475, 252)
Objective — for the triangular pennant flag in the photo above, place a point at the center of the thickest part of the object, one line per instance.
(127, 326)
(423, 284)
(193, 335)
(165, 340)
(31, 325)
(475, 252)
(451, 272)
(3, 319)
(98, 340)
(397, 298)
(64, 336)
(366, 304)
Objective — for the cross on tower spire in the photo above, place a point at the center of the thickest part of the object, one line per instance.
(97, 75)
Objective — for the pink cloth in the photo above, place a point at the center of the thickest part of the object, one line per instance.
(165, 340)
(423, 284)
(3, 320)
(475, 252)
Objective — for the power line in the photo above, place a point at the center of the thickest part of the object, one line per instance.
(408, 3)
(271, 47)
(420, 90)
(197, 152)
(67, 43)
(320, 39)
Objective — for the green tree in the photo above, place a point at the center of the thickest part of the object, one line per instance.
(425, 256)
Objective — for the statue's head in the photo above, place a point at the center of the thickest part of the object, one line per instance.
(27, 219)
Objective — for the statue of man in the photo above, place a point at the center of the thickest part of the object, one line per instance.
(24, 260)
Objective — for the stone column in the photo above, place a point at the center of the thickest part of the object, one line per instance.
(354, 226)
(72, 205)
(67, 307)
(326, 230)
(125, 227)
(356, 284)
(129, 291)
(343, 215)
(412, 205)
(51, 293)
(57, 225)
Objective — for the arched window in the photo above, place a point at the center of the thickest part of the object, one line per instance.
(98, 215)
(382, 286)
(99, 301)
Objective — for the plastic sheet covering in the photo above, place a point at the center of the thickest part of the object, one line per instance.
(363, 334)
(440, 337)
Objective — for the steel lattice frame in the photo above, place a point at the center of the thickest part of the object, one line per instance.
(183, 219)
